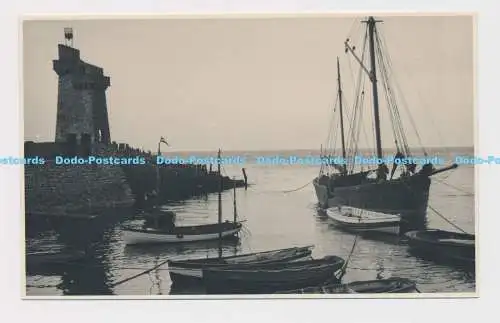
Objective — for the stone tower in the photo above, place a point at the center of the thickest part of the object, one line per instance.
(82, 116)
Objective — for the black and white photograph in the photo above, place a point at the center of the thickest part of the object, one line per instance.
(285, 156)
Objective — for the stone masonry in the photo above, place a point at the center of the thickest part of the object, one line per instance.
(81, 104)
(82, 121)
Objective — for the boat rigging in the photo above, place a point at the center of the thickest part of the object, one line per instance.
(347, 184)
(160, 227)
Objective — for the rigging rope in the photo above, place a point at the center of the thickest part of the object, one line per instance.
(332, 137)
(223, 170)
(384, 66)
(383, 43)
(356, 122)
(444, 218)
(455, 187)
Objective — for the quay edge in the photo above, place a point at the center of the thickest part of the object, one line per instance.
(75, 190)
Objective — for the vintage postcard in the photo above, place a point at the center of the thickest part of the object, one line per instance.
(284, 156)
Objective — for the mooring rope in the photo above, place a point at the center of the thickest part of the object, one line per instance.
(344, 267)
(288, 191)
(139, 274)
(455, 187)
(297, 189)
(439, 214)
(444, 218)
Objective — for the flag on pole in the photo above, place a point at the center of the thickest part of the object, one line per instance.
(164, 141)
(68, 33)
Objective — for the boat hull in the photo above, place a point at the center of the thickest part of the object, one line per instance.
(364, 221)
(138, 236)
(268, 279)
(182, 272)
(390, 285)
(385, 229)
(407, 197)
(444, 246)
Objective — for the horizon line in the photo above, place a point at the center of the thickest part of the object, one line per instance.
(314, 149)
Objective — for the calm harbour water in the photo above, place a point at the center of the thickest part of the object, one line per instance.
(273, 220)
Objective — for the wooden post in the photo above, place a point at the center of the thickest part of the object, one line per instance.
(245, 177)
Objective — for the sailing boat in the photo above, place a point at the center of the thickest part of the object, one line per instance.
(407, 194)
(168, 232)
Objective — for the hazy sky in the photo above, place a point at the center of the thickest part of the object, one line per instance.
(253, 83)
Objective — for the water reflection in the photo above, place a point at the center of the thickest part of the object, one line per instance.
(94, 277)
(275, 220)
(90, 275)
(184, 250)
(467, 268)
(379, 268)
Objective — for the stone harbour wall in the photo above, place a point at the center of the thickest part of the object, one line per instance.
(67, 189)
(176, 182)
(52, 189)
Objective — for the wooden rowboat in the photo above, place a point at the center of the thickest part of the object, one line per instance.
(269, 278)
(160, 227)
(178, 234)
(390, 285)
(360, 220)
(441, 244)
(192, 269)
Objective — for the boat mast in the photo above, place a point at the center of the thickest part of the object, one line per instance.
(371, 31)
(341, 115)
(234, 200)
(220, 203)
(158, 178)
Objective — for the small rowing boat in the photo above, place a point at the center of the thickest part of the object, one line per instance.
(160, 227)
(360, 220)
(192, 269)
(390, 285)
(269, 278)
(443, 244)
(177, 234)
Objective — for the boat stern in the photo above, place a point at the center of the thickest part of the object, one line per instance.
(321, 193)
